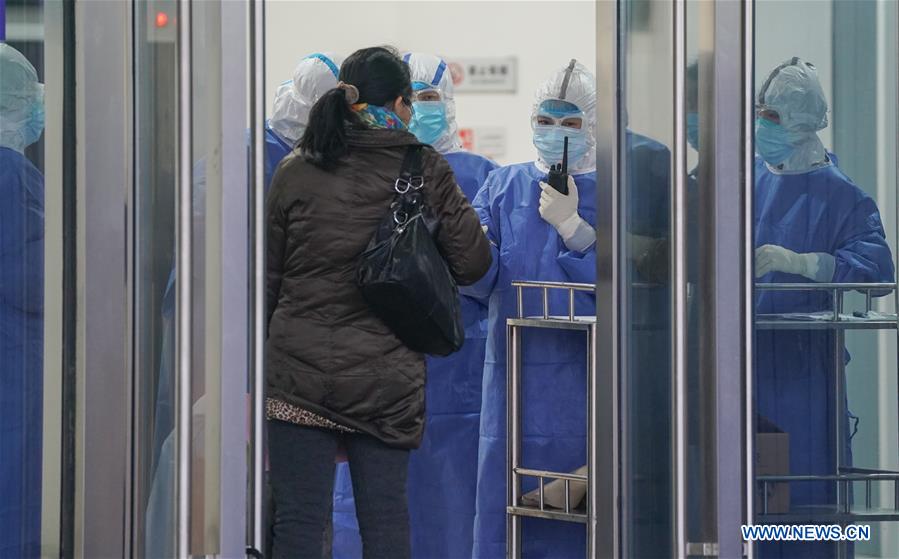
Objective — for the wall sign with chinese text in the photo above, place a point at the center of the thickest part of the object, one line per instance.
(485, 75)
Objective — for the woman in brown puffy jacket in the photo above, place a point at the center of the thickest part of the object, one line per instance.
(336, 374)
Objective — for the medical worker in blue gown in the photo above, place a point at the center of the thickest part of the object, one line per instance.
(813, 224)
(21, 306)
(540, 234)
(443, 471)
(313, 76)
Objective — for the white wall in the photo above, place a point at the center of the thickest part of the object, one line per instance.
(543, 35)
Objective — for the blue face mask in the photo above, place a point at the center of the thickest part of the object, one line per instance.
(31, 132)
(550, 144)
(693, 130)
(772, 141)
(428, 121)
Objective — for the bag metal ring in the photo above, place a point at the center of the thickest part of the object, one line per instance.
(402, 185)
(400, 217)
(417, 183)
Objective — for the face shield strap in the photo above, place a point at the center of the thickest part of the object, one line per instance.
(564, 89)
(328, 62)
(792, 62)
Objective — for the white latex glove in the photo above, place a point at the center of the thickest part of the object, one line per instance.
(560, 211)
(816, 266)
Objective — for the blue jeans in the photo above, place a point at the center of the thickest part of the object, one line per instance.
(302, 479)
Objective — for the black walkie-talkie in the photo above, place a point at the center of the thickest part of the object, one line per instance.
(558, 174)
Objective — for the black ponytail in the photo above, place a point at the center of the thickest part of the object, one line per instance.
(380, 75)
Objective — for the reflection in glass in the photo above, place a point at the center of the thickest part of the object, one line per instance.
(819, 227)
(647, 319)
(21, 306)
(155, 65)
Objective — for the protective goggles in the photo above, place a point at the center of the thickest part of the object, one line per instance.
(558, 112)
(427, 93)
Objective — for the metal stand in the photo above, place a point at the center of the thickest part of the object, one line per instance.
(838, 322)
(515, 510)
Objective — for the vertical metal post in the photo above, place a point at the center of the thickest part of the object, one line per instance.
(593, 503)
(98, 154)
(520, 302)
(513, 444)
(607, 340)
(545, 302)
(184, 299)
(679, 285)
(726, 198)
(748, 40)
(70, 312)
(571, 305)
(257, 279)
(896, 219)
(839, 403)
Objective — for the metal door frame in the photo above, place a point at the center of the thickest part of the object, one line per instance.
(105, 516)
(726, 67)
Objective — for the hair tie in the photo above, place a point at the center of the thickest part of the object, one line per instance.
(350, 91)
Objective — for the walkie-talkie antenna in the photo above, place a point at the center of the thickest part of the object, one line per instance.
(565, 157)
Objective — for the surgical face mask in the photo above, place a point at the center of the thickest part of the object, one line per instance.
(693, 130)
(428, 121)
(550, 143)
(772, 141)
(32, 131)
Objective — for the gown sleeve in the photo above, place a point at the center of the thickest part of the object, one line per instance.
(861, 253)
(486, 207)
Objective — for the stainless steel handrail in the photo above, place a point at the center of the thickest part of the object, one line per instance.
(837, 290)
(829, 477)
(825, 286)
(550, 475)
(546, 287)
(515, 509)
(843, 481)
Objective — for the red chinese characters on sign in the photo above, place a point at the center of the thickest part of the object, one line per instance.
(467, 137)
(457, 72)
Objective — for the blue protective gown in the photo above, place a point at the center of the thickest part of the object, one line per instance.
(21, 353)
(818, 211)
(443, 471)
(554, 376)
(554, 362)
(276, 149)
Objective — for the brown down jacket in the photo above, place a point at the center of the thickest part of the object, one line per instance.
(326, 352)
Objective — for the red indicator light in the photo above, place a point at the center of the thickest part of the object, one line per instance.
(162, 19)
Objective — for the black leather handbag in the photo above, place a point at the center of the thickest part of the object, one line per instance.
(404, 278)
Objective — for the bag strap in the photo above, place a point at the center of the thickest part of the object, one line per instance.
(411, 176)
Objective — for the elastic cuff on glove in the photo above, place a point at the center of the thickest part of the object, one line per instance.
(819, 266)
(577, 234)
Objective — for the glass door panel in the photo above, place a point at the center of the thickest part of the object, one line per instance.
(32, 265)
(825, 248)
(646, 117)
